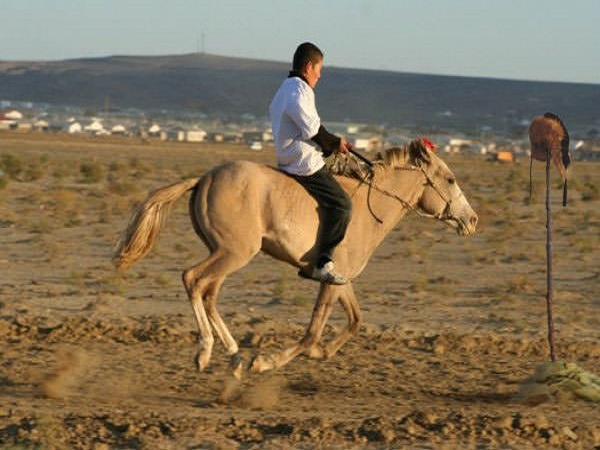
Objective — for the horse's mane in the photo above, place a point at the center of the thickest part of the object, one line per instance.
(347, 165)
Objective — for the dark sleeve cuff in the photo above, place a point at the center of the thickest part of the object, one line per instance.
(328, 142)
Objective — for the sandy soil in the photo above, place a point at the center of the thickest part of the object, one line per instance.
(94, 358)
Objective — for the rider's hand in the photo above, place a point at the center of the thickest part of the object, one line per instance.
(344, 146)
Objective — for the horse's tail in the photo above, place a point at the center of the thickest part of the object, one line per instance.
(146, 222)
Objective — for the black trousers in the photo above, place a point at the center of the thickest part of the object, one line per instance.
(335, 211)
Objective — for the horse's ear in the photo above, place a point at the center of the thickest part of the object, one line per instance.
(419, 154)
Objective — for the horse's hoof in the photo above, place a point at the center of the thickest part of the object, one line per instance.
(237, 366)
(317, 352)
(254, 366)
(259, 364)
(199, 363)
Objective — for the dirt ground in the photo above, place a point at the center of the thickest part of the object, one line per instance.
(95, 358)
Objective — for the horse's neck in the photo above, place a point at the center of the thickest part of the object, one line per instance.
(390, 197)
(395, 193)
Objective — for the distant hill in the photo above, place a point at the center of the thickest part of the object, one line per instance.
(235, 86)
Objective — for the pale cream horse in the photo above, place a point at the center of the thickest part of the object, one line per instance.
(241, 208)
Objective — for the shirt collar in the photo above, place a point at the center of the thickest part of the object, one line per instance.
(294, 73)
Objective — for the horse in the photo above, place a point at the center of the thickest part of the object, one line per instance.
(241, 208)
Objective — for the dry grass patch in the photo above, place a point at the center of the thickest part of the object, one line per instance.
(61, 171)
(162, 280)
(122, 187)
(41, 226)
(520, 283)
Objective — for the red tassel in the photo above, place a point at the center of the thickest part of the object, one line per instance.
(428, 144)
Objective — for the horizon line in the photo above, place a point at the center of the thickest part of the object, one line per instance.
(409, 72)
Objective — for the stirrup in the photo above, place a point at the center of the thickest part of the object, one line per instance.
(325, 274)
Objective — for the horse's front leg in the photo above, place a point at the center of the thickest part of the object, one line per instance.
(355, 318)
(327, 295)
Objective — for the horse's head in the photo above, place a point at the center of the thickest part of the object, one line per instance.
(442, 198)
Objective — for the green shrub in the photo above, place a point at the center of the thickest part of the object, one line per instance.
(120, 185)
(591, 192)
(33, 172)
(139, 169)
(91, 172)
(116, 166)
(11, 165)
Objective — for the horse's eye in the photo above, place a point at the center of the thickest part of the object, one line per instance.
(451, 180)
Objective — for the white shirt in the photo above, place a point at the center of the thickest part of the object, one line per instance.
(295, 120)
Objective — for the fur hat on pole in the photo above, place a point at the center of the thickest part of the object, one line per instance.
(548, 135)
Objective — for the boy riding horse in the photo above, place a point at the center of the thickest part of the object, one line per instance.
(301, 141)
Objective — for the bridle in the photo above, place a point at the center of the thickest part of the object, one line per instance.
(443, 215)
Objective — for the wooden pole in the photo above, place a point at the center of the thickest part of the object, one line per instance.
(549, 261)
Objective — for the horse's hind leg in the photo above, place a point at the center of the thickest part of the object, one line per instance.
(218, 325)
(202, 283)
(321, 311)
(206, 336)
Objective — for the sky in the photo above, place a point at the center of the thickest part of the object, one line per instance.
(545, 40)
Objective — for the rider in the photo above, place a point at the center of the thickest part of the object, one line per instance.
(301, 142)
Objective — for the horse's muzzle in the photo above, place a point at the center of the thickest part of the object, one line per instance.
(469, 227)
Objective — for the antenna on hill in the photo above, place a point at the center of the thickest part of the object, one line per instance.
(200, 44)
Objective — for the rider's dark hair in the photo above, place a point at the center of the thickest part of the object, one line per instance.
(305, 53)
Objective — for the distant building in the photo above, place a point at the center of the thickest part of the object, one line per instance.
(154, 130)
(41, 125)
(118, 130)
(267, 136)
(95, 127)
(176, 133)
(75, 127)
(459, 145)
(367, 142)
(195, 136)
(456, 145)
(13, 115)
(6, 123)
